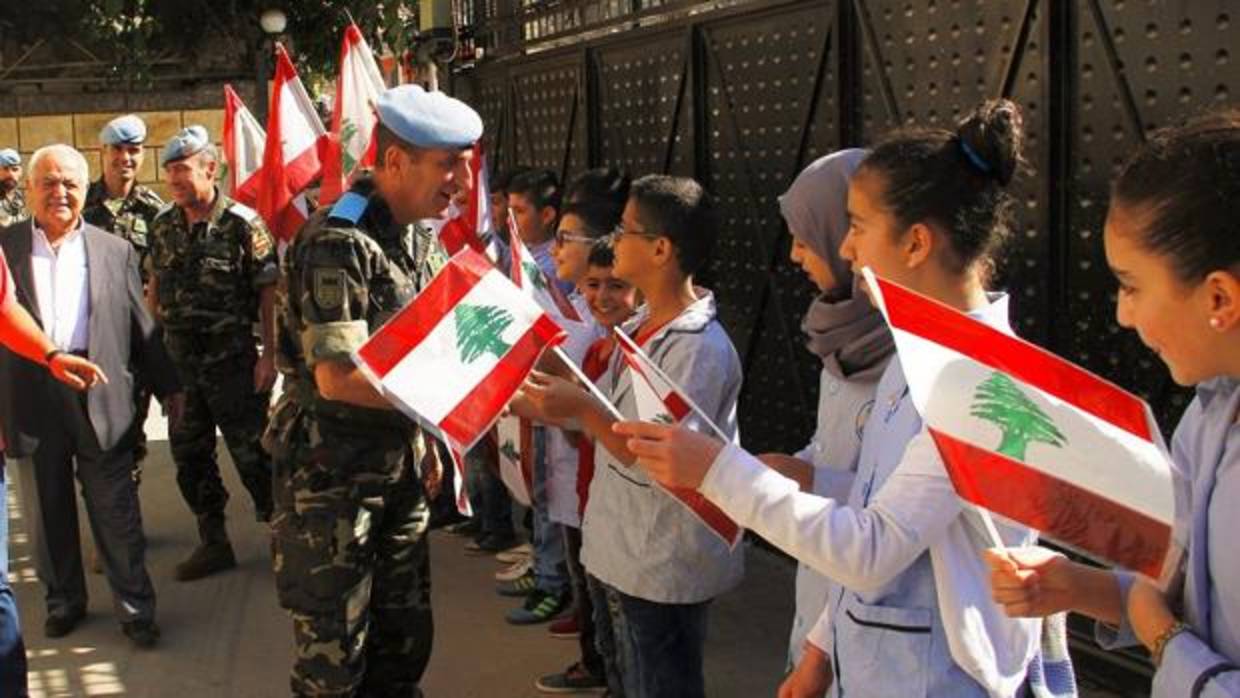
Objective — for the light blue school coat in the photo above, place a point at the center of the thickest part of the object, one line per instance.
(910, 613)
(1204, 662)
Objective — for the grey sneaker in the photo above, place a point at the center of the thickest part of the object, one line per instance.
(574, 679)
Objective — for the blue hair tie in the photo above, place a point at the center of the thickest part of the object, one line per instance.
(973, 157)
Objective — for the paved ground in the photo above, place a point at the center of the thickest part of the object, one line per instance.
(226, 636)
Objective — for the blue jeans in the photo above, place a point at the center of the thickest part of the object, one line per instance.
(12, 650)
(487, 494)
(663, 649)
(550, 565)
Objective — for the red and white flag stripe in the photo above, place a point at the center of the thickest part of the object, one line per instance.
(466, 226)
(1033, 437)
(528, 276)
(659, 399)
(291, 156)
(417, 358)
(514, 438)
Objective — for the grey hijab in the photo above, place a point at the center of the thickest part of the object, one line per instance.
(840, 324)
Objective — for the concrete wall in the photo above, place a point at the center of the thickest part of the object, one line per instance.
(28, 133)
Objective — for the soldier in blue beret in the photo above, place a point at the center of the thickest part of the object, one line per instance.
(213, 272)
(12, 202)
(360, 595)
(118, 204)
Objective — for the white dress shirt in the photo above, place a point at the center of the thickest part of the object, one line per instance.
(62, 288)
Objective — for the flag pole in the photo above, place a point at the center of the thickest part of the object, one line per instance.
(588, 384)
(989, 522)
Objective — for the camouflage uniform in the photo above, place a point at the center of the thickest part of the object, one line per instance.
(13, 208)
(130, 218)
(208, 282)
(351, 556)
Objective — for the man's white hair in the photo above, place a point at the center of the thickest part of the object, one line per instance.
(65, 154)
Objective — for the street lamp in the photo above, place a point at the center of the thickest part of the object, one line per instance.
(273, 22)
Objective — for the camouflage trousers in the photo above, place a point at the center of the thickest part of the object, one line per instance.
(351, 559)
(221, 395)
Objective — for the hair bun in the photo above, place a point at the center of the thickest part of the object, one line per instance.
(991, 138)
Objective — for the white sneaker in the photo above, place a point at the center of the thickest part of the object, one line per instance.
(516, 571)
(515, 554)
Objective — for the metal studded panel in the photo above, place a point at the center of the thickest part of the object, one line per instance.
(929, 64)
(645, 123)
(1140, 66)
(765, 83)
(549, 116)
(490, 104)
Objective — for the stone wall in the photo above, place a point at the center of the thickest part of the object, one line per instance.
(28, 133)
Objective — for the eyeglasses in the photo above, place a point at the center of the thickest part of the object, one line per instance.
(562, 237)
(619, 232)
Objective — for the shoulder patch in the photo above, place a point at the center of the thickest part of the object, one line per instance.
(329, 288)
(243, 211)
(350, 207)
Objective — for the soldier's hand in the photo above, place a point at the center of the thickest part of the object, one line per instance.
(265, 373)
(76, 372)
(174, 409)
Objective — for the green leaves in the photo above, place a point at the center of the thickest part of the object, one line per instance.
(1000, 401)
(480, 329)
(535, 274)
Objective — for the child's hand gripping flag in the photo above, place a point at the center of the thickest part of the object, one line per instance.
(660, 400)
(454, 356)
(1033, 437)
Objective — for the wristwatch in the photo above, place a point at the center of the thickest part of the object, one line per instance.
(1160, 642)
(47, 358)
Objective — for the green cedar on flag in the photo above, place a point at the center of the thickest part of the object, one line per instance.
(1032, 437)
(999, 401)
(516, 466)
(455, 355)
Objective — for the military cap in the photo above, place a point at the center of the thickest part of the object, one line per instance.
(428, 119)
(190, 140)
(9, 158)
(123, 130)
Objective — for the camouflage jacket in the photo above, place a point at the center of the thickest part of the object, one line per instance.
(130, 217)
(350, 268)
(209, 275)
(13, 208)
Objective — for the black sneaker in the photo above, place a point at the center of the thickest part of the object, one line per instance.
(142, 633)
(539, 607)
(574, 679)
(62, 623)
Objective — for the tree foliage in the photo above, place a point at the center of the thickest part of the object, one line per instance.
(480, 329)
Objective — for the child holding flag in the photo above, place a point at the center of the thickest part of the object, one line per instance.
(909, 612)
(848, 334)
(611, 301)
(1171, 240)
(660, 566)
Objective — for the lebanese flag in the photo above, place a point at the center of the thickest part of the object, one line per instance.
(516, 461)
(529, 277)
(291, 157)
(1033, 437)
(244, 141)
(353, 116)
(465, 227)
(459, 494)
(455, 355)
(660, 400)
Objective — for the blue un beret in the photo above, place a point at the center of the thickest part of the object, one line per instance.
(123, 130)
(9, 158)
(428, 119)
(189, 141)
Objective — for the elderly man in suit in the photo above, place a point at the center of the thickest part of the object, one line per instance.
(82, 285)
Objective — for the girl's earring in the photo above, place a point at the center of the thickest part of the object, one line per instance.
(1216, 322)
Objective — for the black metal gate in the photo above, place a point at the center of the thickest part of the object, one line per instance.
(744, 96)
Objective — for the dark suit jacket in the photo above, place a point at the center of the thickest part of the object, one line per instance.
(122, 335)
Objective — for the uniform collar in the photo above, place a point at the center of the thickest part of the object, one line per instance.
(694, 318)
(1221, 388)
(218, 207)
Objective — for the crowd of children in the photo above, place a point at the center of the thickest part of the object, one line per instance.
(899, 592)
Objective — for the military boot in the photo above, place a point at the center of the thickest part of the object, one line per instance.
(214, 554)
